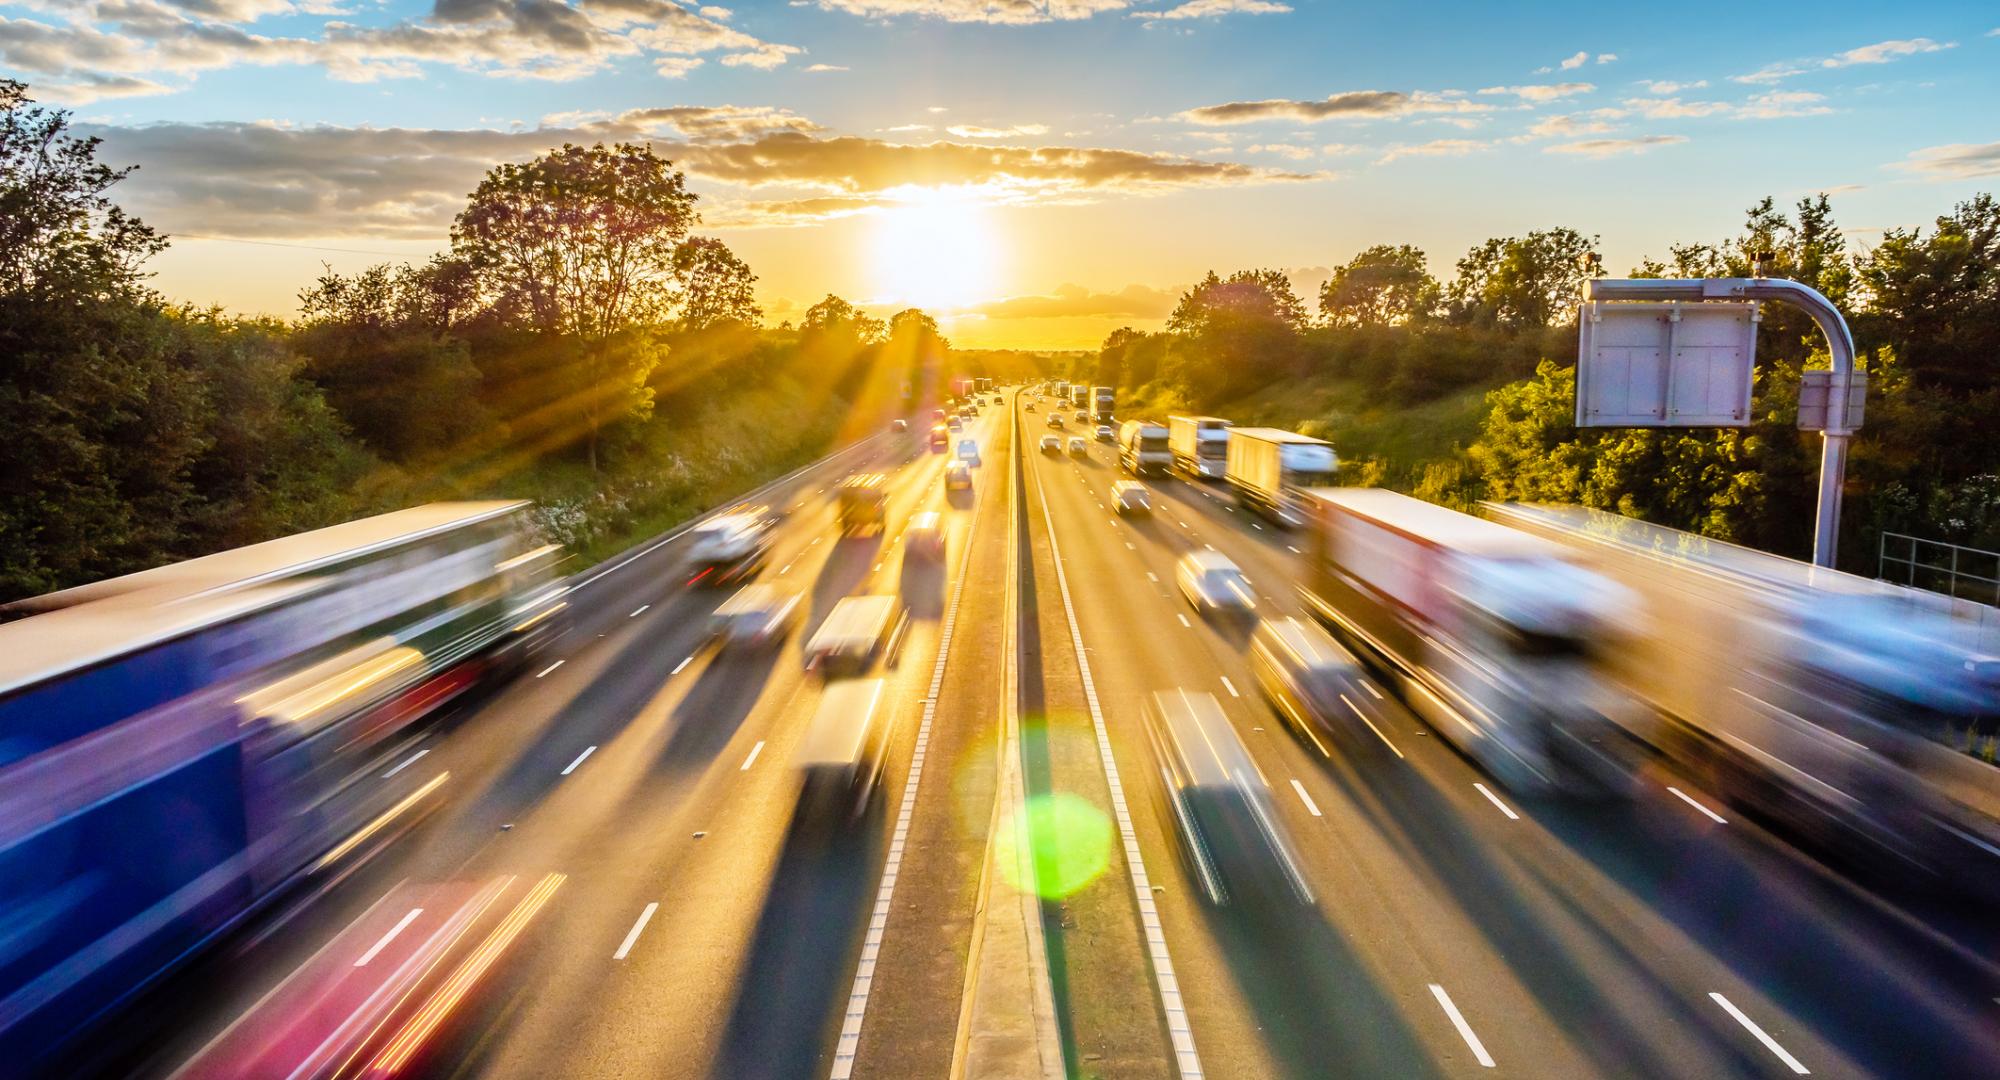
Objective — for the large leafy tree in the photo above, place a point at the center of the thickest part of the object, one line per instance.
(581, 243)
(1523, 282)
(1383, 286)
(716, 286)
(1236, 333)
(1935, 296)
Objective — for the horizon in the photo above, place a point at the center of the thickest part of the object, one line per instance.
(914, 152)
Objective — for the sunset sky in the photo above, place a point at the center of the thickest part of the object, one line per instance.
(1035, 173)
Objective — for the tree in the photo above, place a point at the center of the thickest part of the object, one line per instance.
(1526, 282)
(582, 242)
(61, 236)
(1382, 286)
(716, 286)
(836, 322)
(1235, 334)
(1936, 297)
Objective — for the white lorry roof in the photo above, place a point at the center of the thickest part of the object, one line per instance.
(839, 726)
(856, 621)
(1436, 526)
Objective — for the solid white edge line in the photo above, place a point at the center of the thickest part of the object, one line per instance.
(632, 936)
(550, 668)
(1307, 799)
(383, 943)
(1230, 686)
(1684, 797)
(1464, 1029)
(680, 666)
(406, 763)
(871, 943)
(1769, 1043)
(1165, 982)
(752, 759)
(1495, 800)
(587, 751)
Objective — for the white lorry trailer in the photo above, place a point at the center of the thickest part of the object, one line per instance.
(1142, 448)
(1490, 634)
(1200, 445)
(1270, 467)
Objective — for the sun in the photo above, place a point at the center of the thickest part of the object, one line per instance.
(935, 249)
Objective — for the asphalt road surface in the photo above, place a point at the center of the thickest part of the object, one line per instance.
(614, 872)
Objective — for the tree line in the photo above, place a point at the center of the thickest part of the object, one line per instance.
(577, 343)
(1923, 303)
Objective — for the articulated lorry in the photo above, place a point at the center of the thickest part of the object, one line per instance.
(1842, 708)
(1103, 403)
(1490, 634)
(1269, 468)
(1142, 448)
(1200, 445)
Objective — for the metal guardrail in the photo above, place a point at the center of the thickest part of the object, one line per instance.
(1963, 573)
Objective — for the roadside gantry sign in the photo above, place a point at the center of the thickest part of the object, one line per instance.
(1667, 352)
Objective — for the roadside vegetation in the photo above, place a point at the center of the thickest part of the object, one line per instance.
(1464, 390)
(579, 344)
(582, 345)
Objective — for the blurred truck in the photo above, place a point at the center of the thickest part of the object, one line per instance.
(842, 751)
(181, 746)
(1142, 448)
(863, 502)
(1104, 401)
(1270, 467)
(1850, 711)
(1220, 803)
(1491, 635)
(1200, 445)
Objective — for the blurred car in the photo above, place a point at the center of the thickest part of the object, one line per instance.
(863, 501)
(855, 632)
(1077, 447)
(1051, 444)
(968, 451)
(940, 438)
(955, 424)
(1131, 497)
(1029, 407)
(757, 617)
(937, 415)
(1220, 802)
(1055, 420)
(1105, 434)
(1310, 679)
(729, 547)
(1214, 584)
(925, 535)
(841, 753)
(1080, 416)
(957, 476)
(899, 425)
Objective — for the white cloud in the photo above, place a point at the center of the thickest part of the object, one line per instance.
(1351, 104)
(1607, 58)
(1434, 148)
(1884, 51)
(1211, 9)
(1574, 61)
(1881, 52)
(1604, 148)
(1783, 104)
(826, 67)
(1663, 86)
(1538, 93)
(975, 131)
(1285, 150)
(1571, 125)
(1953, 161)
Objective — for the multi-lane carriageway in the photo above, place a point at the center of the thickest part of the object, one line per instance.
(608, 879)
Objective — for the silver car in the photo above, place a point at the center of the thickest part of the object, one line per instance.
(1220, 802)
(1311, 680)
(757, 617)
(1131, 497)
(1213, 584)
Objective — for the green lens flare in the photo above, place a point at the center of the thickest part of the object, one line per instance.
(1069, 845)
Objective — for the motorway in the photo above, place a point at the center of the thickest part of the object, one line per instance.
(621, 820)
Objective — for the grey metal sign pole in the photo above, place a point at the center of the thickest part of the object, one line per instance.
(1838, 429)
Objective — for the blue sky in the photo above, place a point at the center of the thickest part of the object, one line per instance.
(1039, 171)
